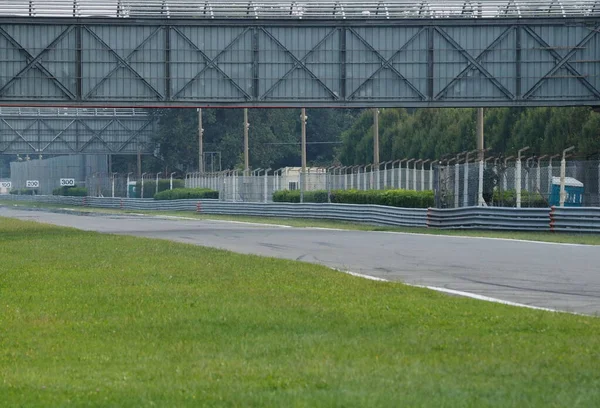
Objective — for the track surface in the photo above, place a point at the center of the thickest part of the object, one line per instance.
(563, 277)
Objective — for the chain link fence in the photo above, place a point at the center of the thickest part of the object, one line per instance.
(530, 183)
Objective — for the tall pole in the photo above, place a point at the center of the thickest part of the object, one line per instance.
(139, 163)
(200, 143)
(303, 154)
(375, 146)
(246, 155)
(376, 137)
(480, 145)
(303, 141)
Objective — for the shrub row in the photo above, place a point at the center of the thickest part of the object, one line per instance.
(293, 196)
(393, 198)
(183, 193)
(25, 191)
(70, 191)
(508, 198)
(150, 187)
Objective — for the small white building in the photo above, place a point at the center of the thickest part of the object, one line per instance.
(316, 178)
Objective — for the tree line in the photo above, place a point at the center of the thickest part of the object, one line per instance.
(433, 133)
(345, 136)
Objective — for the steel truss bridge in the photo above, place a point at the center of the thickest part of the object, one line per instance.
(75, 131)
(299, 54)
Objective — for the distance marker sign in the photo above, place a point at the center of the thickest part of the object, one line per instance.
(32, 183)
(67, 182)
(5, 184)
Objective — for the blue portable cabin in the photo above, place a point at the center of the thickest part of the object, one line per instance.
(573, 188)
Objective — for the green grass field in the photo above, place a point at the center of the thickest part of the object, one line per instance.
(586, 239)
(101, 320)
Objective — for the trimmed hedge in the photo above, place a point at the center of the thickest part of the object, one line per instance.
(70, 191)
(293, 196)
(393, 198)
(184, 193)
(163, 185)
(25, 191)
(508, 198)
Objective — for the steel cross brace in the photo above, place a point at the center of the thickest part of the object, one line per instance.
(474, 62)
(96, 135)
(35, 62)
(562, 61)
(123, 62)
(478, 59)
(299, 63)
(57, 135)
(387, 63)
(134, 135)
(211, 63)
(19, 135)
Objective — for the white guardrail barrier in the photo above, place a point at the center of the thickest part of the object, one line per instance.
(564, 219)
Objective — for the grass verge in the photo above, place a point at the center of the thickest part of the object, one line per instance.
(567, 238)
(102, 320)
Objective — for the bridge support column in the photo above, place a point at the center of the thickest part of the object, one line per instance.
(246, 155)
(200, 143)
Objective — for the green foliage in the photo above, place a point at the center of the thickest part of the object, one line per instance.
(186, 193)
(274, 136)
(394, 198)
(150, 186)
(24, 191)
(293, 196)
(432, 133)
(508, 198)
(72, 191)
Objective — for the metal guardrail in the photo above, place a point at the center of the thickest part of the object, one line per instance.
(567, 219)
(491, 218)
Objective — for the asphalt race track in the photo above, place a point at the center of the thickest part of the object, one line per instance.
(563, 277)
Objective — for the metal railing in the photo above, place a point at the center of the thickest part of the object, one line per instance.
(346, 9)
(567, 219)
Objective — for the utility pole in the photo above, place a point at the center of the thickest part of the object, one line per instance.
(200, 143)
(303, 154)
(139, 163)
(246, 155)
(303, 142)
(376, 138)
(480, 145)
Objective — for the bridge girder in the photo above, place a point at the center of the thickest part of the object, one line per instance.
(283, 63)
(58, 131)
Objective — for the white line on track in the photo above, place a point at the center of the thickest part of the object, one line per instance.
(461, 293)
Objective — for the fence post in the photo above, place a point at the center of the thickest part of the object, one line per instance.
(408, 173)
(563, 171)
(466, 183)
(431, 176)
(266, 185)
(480, 200)
(518, 181)
(301, 186)
(456, 183)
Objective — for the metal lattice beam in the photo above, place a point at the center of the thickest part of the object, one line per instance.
(290, 63)
(47, 131)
